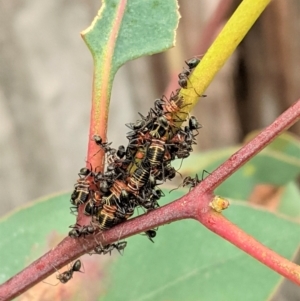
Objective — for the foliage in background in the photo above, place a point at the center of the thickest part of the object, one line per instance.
(188, 255)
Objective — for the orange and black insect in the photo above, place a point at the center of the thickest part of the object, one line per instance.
(93, 204)
(156, 152)
(81, 192)
(106, 217)
(140, 176)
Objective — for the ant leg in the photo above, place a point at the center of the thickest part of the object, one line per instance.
(203, 172)
(74, 210)
(50, 283)
(81, 264)
(99, 249)
(180, 165)
(176, 188)
(120, 246)
(86, 251)
(179, 173)
(57, 271)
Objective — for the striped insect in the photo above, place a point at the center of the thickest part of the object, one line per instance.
(81, 192)
(155, 152)
(93, 204)
(139, 177)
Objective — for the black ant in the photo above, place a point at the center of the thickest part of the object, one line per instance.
(79, 230)
(151, 234)
(149, 198)
(104, 145)
(141, 125)
(99, 249)
(192, 63)
(166, 171)
(136, 126)
(193, 182)
(115, 156)
(84, 173)
(194, 125)
(160, 127)
(183, 78)
(99, 142)
(120, 246)
(67, 275)
(184, 75)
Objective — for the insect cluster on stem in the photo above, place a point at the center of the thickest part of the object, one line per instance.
(133, 174)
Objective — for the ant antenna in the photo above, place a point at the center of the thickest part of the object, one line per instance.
(121, 251)
(180, 166)
(203, 173)
(51, 283)
(176, 188)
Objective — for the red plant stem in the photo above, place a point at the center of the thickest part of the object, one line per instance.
(100, 102)
(283, 122)
(220, 225)
(41, 268)
(193, 205)
(101, 93)
(95, 155)
(70, 249)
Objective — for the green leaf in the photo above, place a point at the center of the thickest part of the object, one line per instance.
(125, 30)
(287, 144)
(131, 29)
(30, 232)
(289, 203)
(186, 262)
(24, 234)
